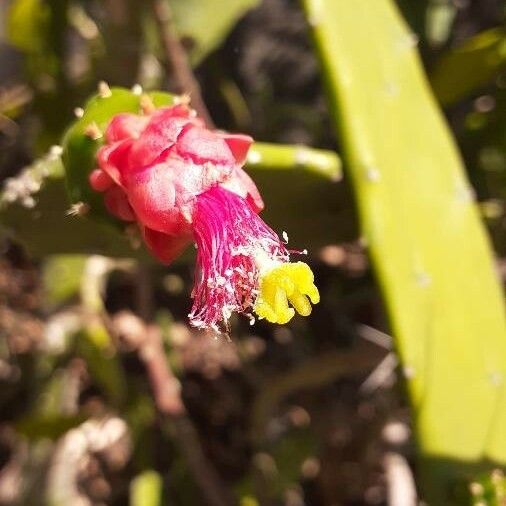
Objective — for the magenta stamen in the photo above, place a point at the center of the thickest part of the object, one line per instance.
(229, 235)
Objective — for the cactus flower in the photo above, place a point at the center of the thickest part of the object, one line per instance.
(183, 183)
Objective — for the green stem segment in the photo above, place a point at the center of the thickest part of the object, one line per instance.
(33, 207)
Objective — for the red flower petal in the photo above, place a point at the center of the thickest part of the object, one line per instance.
(152, 194)
(161, 132)
(241, 184)
(114, 160)
(154, 166)
(116, 202)
(125, 126)
(165, 247)
(100, 180)
(202, 145)
(239, 145)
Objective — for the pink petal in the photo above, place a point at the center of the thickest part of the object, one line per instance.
(154, 168)
(241, 184)
(152, 194)
(125, 126)
(162, 131)
(114, 160)
(202, 145)
(116, 202)
(239, 145)
(165, 247)
(100, 180)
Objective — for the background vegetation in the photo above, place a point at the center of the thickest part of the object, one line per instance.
(393, 391)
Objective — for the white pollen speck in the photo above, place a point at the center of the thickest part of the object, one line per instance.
(103, 90)
(476, 488)
(301, 156)
(409, 371)
(423, 279)
(55, 151)
(184, 99)
(28, 202)
(363, 241)
(78, 209)
(137, 89)
(32, 186)
(496, 378)
(391, 89)
(413, 40)
(372, 174)
(407, 42)
(93, 131)
(313, 20)
(285, 236)
(78, 112)
(465, 193)
(254, 157)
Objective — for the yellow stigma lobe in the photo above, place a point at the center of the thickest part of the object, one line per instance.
(286, 283)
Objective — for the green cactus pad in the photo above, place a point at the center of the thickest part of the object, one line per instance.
(427, 243)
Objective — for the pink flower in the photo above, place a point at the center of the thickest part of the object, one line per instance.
(184, 183)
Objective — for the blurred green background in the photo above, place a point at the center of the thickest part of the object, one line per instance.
(314, 413)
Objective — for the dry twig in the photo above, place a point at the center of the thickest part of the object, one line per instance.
(177, 58)
(167, 396)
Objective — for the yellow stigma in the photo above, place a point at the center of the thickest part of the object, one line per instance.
(286, 283)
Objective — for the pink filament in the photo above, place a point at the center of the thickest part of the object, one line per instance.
(229, 235)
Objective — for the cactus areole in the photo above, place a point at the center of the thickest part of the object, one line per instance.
(183, 183)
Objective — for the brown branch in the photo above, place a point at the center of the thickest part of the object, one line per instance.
(177, 59)
(213, 489)
(166, 387)
(167, 395)
(147, 341)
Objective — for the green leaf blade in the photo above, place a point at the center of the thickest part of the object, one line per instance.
(429, 248)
